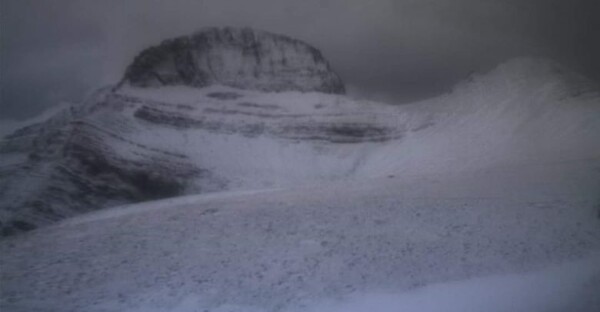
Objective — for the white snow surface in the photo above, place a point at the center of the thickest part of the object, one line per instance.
(376, 244)
(486, 200)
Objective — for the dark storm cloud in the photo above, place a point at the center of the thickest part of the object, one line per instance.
(393, 50)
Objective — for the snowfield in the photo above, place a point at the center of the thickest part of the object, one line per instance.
(484, 199)
(346, 246)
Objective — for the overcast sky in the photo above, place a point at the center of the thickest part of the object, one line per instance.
(391, 50)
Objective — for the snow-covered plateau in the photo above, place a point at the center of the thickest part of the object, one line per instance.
(202, 195)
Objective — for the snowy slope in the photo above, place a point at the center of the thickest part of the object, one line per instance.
(369, 245)
(288, 196)
(524, 111)
(131, 145)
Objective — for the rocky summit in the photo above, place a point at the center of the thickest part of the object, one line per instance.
(242, 58)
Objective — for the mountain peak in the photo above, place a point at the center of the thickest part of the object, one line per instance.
(242, 58)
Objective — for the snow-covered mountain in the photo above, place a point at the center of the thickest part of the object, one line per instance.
(318, 202)
(129, 144)
(192, 115)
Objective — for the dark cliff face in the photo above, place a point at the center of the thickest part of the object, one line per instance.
(239, 58)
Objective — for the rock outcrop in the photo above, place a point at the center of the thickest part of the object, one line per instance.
(240, 58)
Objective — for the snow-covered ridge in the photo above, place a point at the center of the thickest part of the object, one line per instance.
(524, 111)
(237, 57)
(133, 144)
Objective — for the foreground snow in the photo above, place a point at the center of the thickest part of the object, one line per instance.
(570, 287)
(379, 244)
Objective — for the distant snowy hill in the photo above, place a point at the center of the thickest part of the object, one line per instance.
(524, 111)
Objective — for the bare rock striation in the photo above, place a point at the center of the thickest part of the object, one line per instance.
(242, 58)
